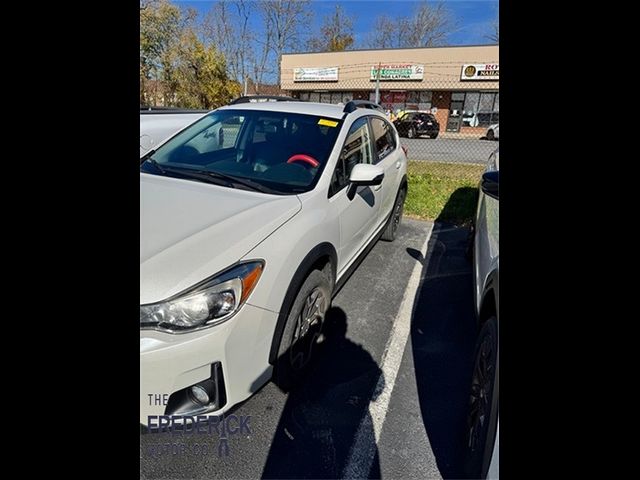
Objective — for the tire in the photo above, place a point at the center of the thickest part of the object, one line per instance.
(481, 399)
(411, 133)
(389, 234)
(301, 331)
(435, 135)
(491, 135)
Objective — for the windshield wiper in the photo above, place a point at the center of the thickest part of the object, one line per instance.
(243, 181)
(208, 176)
(155, 164)
(196, 174)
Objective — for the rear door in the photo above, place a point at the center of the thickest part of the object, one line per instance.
(387, 154)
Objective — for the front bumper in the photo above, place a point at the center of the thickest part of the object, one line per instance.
(172, 362)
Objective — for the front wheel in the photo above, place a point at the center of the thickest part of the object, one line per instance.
(411, 133)
(434, 135)
(303, 328)
(491, 135)
(391, 229)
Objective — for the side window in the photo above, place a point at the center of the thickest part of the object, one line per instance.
(383, 137)
(357, 149)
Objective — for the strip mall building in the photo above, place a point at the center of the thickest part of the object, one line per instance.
(460, 85)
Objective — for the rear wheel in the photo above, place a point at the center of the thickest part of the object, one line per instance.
(391, 229)
(480, 398)
(303, 328)
(411, 133)
(434, 135)
(491, 135)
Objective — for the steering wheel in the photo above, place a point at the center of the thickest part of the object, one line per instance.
(299, 157)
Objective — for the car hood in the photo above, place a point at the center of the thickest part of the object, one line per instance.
(192, 230)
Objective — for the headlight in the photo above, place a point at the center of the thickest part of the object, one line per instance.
(208, 303)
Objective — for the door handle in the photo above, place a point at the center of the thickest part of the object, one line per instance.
(398, 164)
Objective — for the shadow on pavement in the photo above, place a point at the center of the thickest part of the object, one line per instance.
(320, 419)
(442, 336)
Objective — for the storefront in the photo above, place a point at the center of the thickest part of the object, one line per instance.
(460, 85)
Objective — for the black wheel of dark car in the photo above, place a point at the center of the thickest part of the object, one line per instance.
(303, 328)
(491, 135)
(393, 223)
(434, 135)
(480, 398)
(411, 133)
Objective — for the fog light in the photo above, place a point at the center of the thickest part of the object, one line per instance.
(199, 394)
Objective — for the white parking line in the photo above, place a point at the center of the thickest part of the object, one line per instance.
(363, 449)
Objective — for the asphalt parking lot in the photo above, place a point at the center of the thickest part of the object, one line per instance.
(461, 150)
(387, 395)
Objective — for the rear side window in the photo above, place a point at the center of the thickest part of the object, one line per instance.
(383, 137)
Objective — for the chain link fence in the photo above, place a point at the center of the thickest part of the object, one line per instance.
(439, 117)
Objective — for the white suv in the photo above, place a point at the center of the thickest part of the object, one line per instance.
(243, 244)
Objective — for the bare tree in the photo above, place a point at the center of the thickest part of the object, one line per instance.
(385, 34)
(429, 26)
(336, 33)
(226, 26)
(284, 21)
(494, 34)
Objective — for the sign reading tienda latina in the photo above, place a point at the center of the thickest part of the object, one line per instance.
(399, 71)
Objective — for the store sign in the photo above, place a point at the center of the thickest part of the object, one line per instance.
(398, 71)
(480, 71)
(325, 74)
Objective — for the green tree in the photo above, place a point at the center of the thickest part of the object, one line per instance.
(336, 33)
(160, 25)
(196, 74)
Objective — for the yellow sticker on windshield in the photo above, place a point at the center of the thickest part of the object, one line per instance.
(327, 123)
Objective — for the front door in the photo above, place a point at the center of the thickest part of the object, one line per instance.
(357, 216)
(455, 116)
(454, 121)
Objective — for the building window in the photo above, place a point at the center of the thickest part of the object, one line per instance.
(304, 96)
(402, 101)
(480, 108)
(314, 97)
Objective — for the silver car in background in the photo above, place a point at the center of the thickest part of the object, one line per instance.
(156, 125)
(482, 421)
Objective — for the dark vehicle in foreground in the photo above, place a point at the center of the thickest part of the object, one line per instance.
(416, 124)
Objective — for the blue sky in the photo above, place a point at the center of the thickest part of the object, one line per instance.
(474, 16)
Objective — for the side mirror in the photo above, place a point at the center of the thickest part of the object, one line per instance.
(364, 174)
(491, 184)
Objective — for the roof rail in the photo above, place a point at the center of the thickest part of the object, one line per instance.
(169, 110)
(263, 98)
(355, 104)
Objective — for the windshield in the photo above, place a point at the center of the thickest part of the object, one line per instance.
(283, 152)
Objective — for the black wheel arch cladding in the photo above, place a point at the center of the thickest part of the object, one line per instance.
(322, 252)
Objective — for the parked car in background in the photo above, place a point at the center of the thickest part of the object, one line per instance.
(482, 421)
(244, 242)
(158, 124)
(493, 132)
(415, 124)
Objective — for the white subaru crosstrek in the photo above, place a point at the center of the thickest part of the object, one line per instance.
(243, 244)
